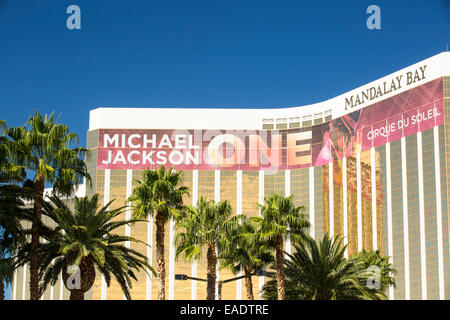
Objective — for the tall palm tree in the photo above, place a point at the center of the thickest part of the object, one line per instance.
(245, 252)
(12, 211)
(205, 226)
(281, 218)
(159, 191)
(81, 241)
(43, 147)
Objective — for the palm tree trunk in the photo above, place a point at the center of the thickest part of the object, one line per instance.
(161, 272)
(76, 295)
(39, 185)
(280, 268)
(248, 283)
(84, 283)
(211, 273)
(2, 289)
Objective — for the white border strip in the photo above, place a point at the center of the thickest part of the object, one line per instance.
(359, 201)
(217, 199)
(129, 187)
(423, 258)
(373, 180)
(24, 284)
(440, 241)
(149, 275)
(311, 202)
(287, 193)
(344, 205)
(194, 263)
(331, 199)
(61, 287)
(106, 195)
(260, 201)
(389, 211)
(171, 259)
(239, 212)
(14, 289)
(405, 220)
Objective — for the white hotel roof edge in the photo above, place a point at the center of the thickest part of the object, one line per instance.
(251, 119)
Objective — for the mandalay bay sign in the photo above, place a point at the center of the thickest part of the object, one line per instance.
(402, 115)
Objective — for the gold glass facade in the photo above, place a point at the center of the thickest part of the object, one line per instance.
(311, 188)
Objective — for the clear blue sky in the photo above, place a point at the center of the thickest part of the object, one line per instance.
(152, 53)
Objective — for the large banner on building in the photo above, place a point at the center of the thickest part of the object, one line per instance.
(405, 114)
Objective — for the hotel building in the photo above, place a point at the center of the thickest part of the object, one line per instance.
(370, 165)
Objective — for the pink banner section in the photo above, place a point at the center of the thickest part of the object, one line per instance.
(405, 114)
(419, 119)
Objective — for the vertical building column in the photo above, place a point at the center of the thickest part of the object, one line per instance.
(24, 282)
(260, 201)
(405, 220)
(61, 287)
(171, 259)
(128, 190)
(311, 202)
(359, 201)
(440, 243)
(14, 287)
(194, 263)
(238, 212)
(217, 199)
(389, 211)
(106, 196)
(423, 259)
(373, 180)
(344, 205)
(330, 196)
(287, 193)
(149, 275)
(52, 288)
(43, 294)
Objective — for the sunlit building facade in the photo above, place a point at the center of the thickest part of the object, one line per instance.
(369, 165)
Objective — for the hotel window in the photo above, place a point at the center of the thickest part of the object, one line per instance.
(294, 122)
(281, 123)
(328, 115)
(307, 121)
(267, 124)
(318, 118)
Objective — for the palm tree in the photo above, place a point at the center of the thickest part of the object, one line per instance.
(81, 241)
(8, 171)
(280, 218)
(205, 226)
(12, 211)
(12, 214)
(44, 148)
(159, 191)
(245, 252)
(318, 270)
